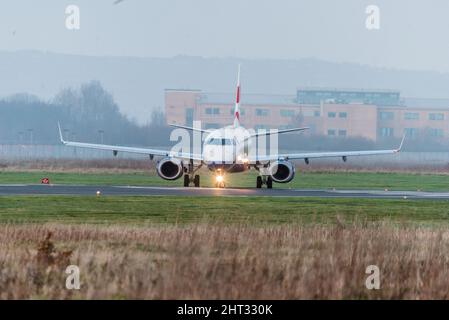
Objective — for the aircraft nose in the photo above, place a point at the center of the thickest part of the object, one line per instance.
(218, 155)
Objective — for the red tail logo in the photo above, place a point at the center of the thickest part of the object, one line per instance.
(238, 94)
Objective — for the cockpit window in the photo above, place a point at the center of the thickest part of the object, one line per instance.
(221, 142)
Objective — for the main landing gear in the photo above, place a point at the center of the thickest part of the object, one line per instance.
(190, 176)
(267, 180)
(195, 180)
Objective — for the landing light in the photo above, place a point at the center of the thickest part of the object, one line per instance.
(219, 178)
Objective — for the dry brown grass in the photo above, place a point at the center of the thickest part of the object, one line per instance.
(209, 261)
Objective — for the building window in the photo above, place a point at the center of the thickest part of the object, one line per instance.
(436, 116)
(262, 112)
(331, 132)
(316, 114)
(386, 132)
(411, 116)
(342, 133)
(437, 133)
(212, 111)
(307, 113)
(211, 126)
(386, 115)
(331, 114)
(411, 132)
(189, 116)
(261, 127)
(342, 114)
(287, 113)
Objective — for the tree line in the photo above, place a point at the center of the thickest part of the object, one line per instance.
(88, 113)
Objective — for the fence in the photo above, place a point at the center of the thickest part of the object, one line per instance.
(32, 152)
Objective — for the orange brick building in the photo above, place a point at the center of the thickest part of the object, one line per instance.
(373, 114)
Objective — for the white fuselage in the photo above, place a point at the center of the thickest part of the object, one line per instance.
(226, 149)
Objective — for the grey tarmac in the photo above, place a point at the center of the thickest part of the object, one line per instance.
(86, 190)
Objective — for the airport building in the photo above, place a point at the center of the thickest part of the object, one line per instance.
(371, 114)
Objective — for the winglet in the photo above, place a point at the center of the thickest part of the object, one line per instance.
(402, 142)
(60, 134)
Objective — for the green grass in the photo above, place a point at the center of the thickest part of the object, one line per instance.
(254, 210)
(315, 180)
(141, 210)
(137, 178)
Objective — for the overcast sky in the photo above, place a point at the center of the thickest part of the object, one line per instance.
(412, 34)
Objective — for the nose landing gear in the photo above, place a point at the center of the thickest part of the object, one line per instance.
(220, 185)
(219, 181)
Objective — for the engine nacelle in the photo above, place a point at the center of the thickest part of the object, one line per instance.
(282, 171)
(169, 169)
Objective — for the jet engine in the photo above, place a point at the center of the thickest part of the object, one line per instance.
(282, 171)
(169, 169)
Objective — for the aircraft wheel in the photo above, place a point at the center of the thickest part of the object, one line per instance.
(269, 183)
(196, 181)
(186, 180)
(219, 185)
(259, 182)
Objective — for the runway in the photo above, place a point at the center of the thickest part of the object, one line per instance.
(84, 190)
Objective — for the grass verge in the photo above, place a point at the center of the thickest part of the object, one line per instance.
(306, 180)
(143, 210)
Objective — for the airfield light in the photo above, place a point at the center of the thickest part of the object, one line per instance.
(98, 193)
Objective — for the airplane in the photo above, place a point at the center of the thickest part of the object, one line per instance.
(227, 150)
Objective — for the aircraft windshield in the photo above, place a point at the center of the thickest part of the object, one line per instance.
(221, 142)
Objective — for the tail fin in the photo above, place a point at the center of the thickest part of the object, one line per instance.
(237, 102)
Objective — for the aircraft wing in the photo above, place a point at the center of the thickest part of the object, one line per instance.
(116, 149)
(190, 128)
(309, 155)
(267, 133)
